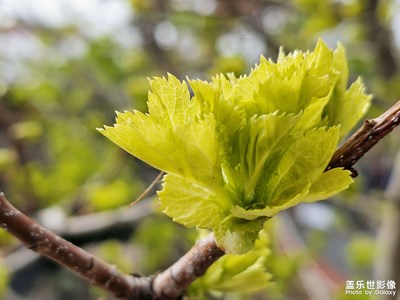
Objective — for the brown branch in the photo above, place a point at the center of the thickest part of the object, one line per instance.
(370, 133)
(46, 243)
(172, 283)
(81, 227)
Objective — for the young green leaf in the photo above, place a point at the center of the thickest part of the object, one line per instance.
(244, 273)
(243, 149)
(193, 204)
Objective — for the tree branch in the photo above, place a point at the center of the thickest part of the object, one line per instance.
(370, 133)
(85, 228)
(46, 243)
(172, 283)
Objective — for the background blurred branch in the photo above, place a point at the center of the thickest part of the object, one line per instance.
(313, 282)
(380, 38)
(387, 260)
(81, 228)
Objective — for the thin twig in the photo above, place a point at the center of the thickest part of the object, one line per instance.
(370, 133)
(147, 190)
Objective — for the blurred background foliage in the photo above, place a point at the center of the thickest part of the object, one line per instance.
(66, 66)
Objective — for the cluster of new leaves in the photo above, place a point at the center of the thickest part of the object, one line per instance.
(243, 149)
(245, 273)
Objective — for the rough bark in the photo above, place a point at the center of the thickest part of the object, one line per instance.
(370, 133)
(170, 284)
(47, 243)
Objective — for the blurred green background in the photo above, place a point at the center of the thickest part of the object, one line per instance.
(66, 66)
